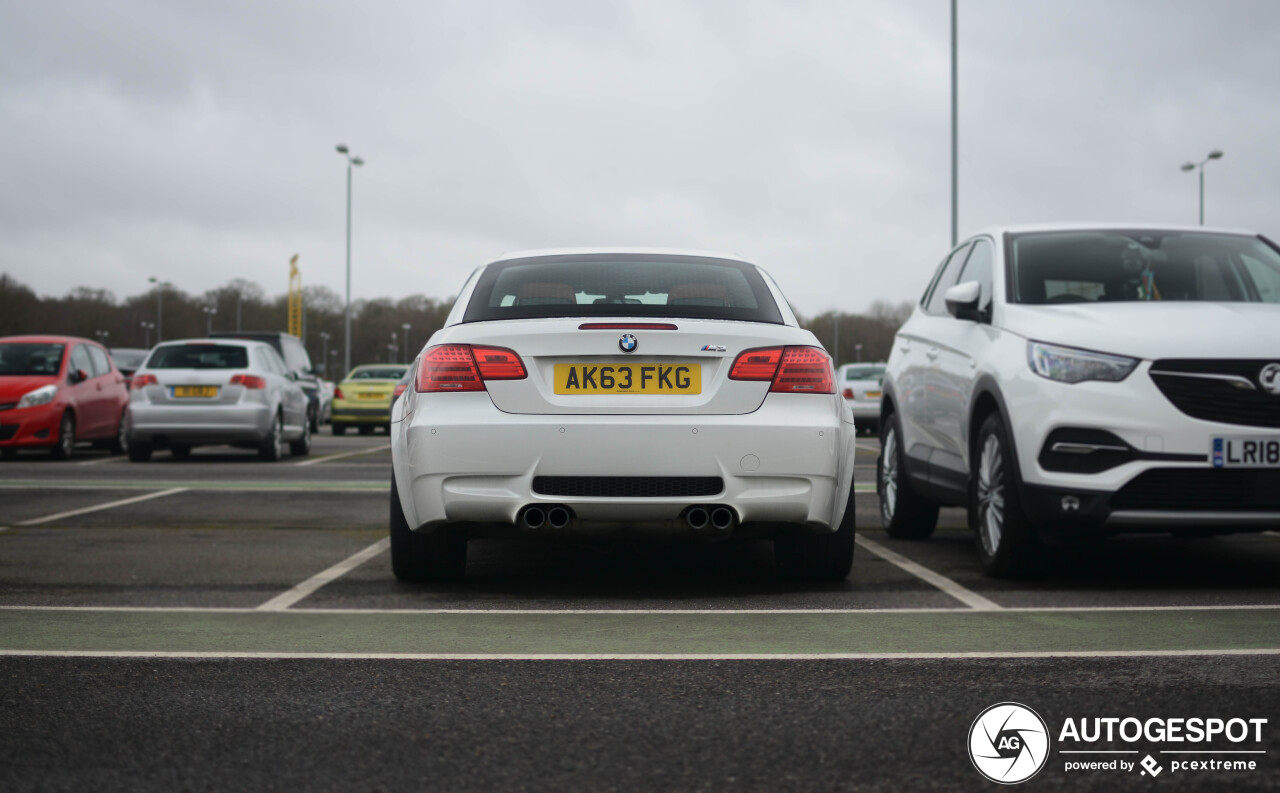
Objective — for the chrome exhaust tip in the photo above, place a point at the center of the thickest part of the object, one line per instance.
(697, 518)
(723, 518)
(532, 517)
(558, 517)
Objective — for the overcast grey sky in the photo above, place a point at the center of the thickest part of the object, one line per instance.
(194, 142)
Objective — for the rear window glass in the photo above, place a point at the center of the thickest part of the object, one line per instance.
(864, 373)
(30, 359)
(593, 285)
(1120, 266)
(199, 356)
(378, 373)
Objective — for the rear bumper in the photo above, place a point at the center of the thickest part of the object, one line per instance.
(361, 415)
(457, 458)
(243, 422)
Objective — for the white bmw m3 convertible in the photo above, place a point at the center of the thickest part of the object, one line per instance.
(665, 395)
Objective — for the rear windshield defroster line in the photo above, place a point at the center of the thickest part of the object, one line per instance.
(622, 285)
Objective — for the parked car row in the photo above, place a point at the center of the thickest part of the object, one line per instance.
(237, 389)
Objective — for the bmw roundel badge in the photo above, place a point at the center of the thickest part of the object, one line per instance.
(628, 343)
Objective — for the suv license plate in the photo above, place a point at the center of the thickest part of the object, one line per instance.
(1245, 452)
(628, 378)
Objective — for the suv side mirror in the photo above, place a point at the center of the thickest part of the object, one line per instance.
(962, 301)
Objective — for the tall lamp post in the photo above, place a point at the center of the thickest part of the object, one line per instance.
(147, 327)
(324, 352)
(1216, 154)
(209, 311)
(346, 314)
(160, 285)
(102, 336)
(408, 351)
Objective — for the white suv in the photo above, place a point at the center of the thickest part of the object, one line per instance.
(1065, 382)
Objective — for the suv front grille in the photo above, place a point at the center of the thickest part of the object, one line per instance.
(1201, 489)
(1216, 390)
(628, 486)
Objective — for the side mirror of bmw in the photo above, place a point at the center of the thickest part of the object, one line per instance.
(962, 300)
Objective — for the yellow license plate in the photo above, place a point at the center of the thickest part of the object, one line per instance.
(189, 391)
(370, 396)
(628, 378)
(873, 395)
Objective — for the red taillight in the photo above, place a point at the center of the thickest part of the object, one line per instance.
(847, 393)
(143, 380)
(758, 364)
(337, 394)
(462, 367)
(498, 363)
(800, 370)
(804, 370)
(250, 381)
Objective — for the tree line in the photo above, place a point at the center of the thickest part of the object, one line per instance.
(377, 326)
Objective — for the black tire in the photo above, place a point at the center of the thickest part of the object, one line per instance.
(272, 449)
(140, 452)
(420, 558)
(366, 429)
(1008, 544)
(338, 429)
(66, 445)
(120, 444)
(302, 446)
(180, 451)
(818, 557)
(904, 514)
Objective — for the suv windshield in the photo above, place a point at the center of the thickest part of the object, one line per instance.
(199, 356)
(600, 285)
(30, 359)
(1114, 266)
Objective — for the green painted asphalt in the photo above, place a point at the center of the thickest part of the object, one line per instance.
(763, 633)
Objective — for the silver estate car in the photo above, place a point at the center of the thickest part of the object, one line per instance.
(225, 391)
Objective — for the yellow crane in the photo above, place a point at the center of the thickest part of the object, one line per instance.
(295, 297)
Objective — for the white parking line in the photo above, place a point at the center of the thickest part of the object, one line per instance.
(867, 448)
(966, 596)
(284, 601)
(639, 656)
(328, 457)
(85, 510)
(97, 461)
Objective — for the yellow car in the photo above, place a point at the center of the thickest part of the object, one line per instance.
(363, 398)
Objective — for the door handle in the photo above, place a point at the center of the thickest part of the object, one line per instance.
(933, 354)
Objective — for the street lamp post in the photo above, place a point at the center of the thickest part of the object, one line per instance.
(160, 285)
(857, 348)
(147, 327)
(324, 351)
(408, 351)
(102, 336)
(1216, 154)
(346, 314)
(209, 311)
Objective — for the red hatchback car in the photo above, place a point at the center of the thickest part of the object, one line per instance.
(57, 390)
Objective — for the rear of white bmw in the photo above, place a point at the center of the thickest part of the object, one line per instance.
(651, 395)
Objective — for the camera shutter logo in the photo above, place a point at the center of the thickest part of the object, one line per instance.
(1009, 743)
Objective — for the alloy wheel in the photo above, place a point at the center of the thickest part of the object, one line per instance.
(889, 475)
(991, 495)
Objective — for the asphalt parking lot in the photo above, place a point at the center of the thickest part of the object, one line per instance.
(195, 624)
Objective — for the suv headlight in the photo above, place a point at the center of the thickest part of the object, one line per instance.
(1068, 365)
(41, 396)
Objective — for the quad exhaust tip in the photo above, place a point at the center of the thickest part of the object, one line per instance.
(697, 518)
(535, 517)
(718, 518)
(723, 519)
